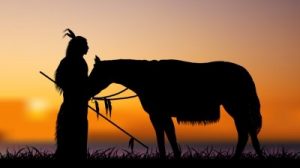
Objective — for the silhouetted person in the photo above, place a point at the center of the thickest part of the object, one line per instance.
(71, 78)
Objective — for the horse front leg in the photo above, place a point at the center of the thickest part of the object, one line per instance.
(170, 131)
(159, 130)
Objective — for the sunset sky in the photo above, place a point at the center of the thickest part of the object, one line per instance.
(261, 35)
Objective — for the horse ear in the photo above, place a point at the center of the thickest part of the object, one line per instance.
(97, 59)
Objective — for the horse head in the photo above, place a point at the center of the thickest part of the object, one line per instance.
(97, 79)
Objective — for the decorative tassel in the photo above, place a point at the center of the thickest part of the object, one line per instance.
(97, 108)
(106, 106)
(131, 144)
(109, 107)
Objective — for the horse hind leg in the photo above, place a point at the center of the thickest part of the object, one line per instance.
(256, 144)
(170, 131)
(241, 128)
(244, 128)
(242, 137)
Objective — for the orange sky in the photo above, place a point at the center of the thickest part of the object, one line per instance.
(263, 36)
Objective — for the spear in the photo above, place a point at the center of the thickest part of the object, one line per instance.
(124, 131)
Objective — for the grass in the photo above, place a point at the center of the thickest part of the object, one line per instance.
(32, 153)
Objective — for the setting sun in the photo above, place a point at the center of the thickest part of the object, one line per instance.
(37, 109)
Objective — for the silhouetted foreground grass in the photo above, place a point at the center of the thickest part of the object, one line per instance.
(32, 153)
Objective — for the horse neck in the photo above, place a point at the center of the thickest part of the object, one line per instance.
(124, 72)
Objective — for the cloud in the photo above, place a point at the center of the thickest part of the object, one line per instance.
(2, 136)
(11, 106)
(11, 116)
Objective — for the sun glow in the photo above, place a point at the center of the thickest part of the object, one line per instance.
(37, 109)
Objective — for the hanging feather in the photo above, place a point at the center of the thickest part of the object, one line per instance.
(109, 107)
(131, 143)
(106, 106)
(97, 108)
(69, 33)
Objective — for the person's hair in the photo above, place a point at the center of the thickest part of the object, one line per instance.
(76, 48)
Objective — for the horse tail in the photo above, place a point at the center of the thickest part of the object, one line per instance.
(255, 115)
(254, 110)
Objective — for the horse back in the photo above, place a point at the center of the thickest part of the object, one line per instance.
(175, 87)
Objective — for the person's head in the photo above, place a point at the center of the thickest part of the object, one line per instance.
(77, 46)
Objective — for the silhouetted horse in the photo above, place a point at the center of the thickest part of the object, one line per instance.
(191, 92)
